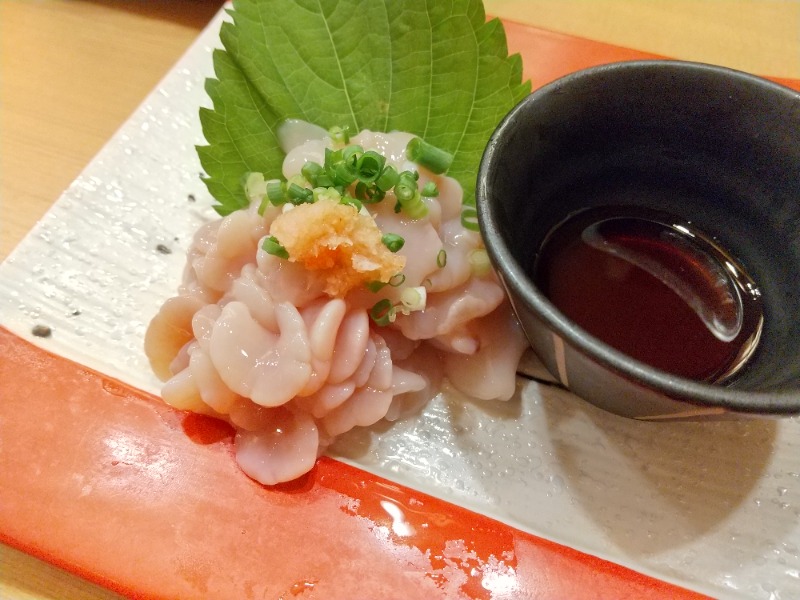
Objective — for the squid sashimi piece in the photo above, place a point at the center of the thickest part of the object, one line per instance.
(422, 243)
(450, 196)
(367, 367)
(406, 386)
(249, 289)
(351, 344)
(391, 145)
(212, 389)
(286, 281)
(282, 451)
(326, 398)
(332, 395)
(246, 414)
(239, 235)
(445, 311)
(181, 360)
(365, 407)
(459, 243)
(461, 340)
(400, 345)
(203, 323)
(181, 392)
(404, 382)
(169, 331)
(309, 145)
(489, 373)
(425, 363)
(233, 247)
(269, 369)
(369, 403)
(324, 322)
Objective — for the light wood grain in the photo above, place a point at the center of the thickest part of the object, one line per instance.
(72, 71)
(759, 36)
(23, 577)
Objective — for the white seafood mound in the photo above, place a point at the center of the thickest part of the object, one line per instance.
(253, 339)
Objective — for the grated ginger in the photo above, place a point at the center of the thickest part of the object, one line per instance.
(338, 241)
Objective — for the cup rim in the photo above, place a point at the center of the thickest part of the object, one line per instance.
(775, 402)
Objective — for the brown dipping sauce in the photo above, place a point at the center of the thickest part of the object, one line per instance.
(653, 287)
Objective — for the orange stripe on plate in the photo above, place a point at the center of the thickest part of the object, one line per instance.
(115, 486)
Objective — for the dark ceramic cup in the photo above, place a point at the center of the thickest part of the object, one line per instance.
(709, 144)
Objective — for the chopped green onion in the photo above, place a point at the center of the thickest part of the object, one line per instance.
(339, 135)
(430, 190)
(388, 178)
(332, 157)
(428, 155)
(254, 186)
(479, 261)
(342, 168)
(272, 246)
(441, 258)
(354, 202)
(329, 193)
(343, 174)
(324, 180)
(369, 194)
(298, 180)
(276, 192)
(298, 194)
(370, 166)
(408, 195)
(393, 241)
(311, 171)
(407, 179)
(397, 280)
(352, 154)
(382, 312)
(414, 207)
(362, 191)
(414, 298)
(337, 168)
(264, 193)
(469, 218)
(375, 286)
(404, 192)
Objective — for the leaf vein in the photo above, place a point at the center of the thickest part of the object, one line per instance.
(339, 66)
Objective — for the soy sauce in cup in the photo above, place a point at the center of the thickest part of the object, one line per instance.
(654, 287)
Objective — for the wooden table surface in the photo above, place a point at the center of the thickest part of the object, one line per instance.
(72, 71)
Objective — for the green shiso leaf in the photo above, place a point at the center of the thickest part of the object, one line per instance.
(434, 68)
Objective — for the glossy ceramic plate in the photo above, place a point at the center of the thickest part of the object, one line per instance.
(542, 496)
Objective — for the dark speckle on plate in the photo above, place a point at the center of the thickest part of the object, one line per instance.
(42, 331)
(163, 249)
